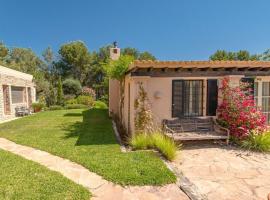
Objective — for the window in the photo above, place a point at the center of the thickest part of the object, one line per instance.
(187, 98)
(266, 99)
(262, 97)
(17, 94)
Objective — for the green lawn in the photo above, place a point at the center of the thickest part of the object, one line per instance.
(24, 179)
(86, 137)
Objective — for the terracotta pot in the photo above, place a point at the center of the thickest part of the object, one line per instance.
(37, 110)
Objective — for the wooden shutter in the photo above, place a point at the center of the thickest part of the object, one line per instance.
(177, 104)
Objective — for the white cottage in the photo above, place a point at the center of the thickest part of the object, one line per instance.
(17, 89)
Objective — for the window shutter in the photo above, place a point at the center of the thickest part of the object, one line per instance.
(177, 87)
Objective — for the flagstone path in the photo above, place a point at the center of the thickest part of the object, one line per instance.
(226, 173)
(99, 188)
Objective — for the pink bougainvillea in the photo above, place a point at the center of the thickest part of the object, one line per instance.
(87, 91)
(238, 111)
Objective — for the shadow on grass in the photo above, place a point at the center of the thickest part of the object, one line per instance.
(95, 129)
(72, 114)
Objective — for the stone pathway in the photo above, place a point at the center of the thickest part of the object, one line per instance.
(99, 188)
(226, 173)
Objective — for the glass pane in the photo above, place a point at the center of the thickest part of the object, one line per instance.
(17, 94)
(256, 89)
(265, 89)
(265, 104)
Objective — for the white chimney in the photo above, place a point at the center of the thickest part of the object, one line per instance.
(114, 52)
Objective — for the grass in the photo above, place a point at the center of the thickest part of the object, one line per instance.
(24, 179)
(166, 146)
(86, 137)
(259, 142)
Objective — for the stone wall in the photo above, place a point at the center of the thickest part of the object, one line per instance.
(15, 81)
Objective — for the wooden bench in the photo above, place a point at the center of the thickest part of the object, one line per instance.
(22, 111)
(195, 129)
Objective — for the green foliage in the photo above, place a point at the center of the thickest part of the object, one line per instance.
(146, 56)
(72, 101)
(117, 68)
(257, 142)
(144, 116)
(85, 100)
(156, 140)
(227, 55)
(136, 54)
(60, 95)
(72, 86)
(75, 60)
(55, 107)
(75, 106)
(265, 56)
(24, 179)
(38, 106)
(100, 105)
(3, 51)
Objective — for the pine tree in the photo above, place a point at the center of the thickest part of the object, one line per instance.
(60, 95)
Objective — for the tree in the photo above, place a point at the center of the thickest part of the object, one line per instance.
(240, 55)
(128, 51)
(75, 60)
(3, 52)
(60, 96)
(117, 69)
(146, 56)
(265, 56)
(72, 87)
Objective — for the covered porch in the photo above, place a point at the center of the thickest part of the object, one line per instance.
(16, 94)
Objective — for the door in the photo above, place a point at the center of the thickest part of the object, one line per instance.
(6, 99)
(212, 97)
(187, 98)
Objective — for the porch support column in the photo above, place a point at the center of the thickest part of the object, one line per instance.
(204, 96)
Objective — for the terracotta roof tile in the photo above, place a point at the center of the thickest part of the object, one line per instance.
(199, 64)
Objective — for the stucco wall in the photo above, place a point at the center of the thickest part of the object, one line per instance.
(161, 107)
(10, 80)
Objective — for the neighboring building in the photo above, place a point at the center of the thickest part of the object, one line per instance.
(179, 89)
(17, 89)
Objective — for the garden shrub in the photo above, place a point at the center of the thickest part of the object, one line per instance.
(100, 105)
(87, 91)
(72, 101)
(72, 86)
(38, 106)
(156, 140)
(75, 106)
(56, 107)
(238, 111)
(257, 141)
(85, 100)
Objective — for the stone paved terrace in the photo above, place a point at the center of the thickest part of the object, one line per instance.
(226, 173)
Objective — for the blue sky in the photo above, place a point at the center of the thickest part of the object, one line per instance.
(170, 29)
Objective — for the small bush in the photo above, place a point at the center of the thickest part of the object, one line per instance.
(75, 106)
(257, 142)
(100, 105)
(38, 106)
(85, 100)
(71, 101)
(55, 107)
(141, 141)
(165, 145)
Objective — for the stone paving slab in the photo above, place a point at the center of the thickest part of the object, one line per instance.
(99, 188)
(226, 173)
